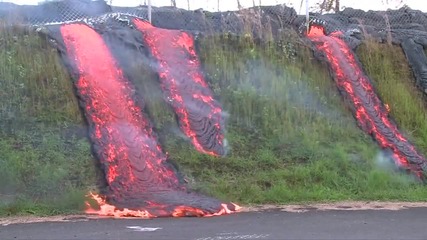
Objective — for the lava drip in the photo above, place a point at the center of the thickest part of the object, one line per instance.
(141, 181)
(199, 114)
(371, 114)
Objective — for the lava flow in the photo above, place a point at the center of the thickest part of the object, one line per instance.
(370, 113)
(140, 180)
(199, 115)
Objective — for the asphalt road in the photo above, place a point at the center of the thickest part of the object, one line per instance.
(368, 224)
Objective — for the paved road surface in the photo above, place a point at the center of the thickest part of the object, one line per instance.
(372, 224)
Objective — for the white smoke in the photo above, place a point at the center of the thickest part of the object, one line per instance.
(384, 160)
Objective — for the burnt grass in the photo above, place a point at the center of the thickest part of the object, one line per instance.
(291, 137)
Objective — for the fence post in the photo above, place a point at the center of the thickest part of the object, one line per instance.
(307, 15)
(149, 11)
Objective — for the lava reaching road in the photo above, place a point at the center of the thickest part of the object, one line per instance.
(141, 181)
(371, 114)
(199, 114)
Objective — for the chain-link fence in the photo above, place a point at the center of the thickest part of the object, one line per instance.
(223, 14)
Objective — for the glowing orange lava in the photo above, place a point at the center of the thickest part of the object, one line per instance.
(185, 86)
(109, 210)
(153, 211)
(387, 107)
(140, 179)
(370, 113)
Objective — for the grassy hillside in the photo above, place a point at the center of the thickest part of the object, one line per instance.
(46, 161)
(291, 137)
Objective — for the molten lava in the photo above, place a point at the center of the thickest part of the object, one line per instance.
(154, 210)
(199, 115)
(370, 113)
(141, 182)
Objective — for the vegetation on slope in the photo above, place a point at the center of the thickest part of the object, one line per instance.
(393, 78)
(45, 165)
(291, 138)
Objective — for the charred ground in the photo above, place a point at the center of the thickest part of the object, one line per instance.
(291, 137)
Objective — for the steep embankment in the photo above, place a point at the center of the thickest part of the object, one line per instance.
(291, 138)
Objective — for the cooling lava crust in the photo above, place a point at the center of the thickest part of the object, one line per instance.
(199, 114)
(141, 181)
(370, 113)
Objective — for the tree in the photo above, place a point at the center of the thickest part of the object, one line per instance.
(173, 3)
(328, 5)
(396, 3)
(239, 6)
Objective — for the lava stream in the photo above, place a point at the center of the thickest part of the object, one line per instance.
(199, 115)
(141, 182)
(370, 113)
(155, 210)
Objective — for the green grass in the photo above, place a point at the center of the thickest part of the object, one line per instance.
(291, 137)
(46, 167)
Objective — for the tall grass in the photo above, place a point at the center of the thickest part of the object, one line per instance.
(46, 165)
(33, 80)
